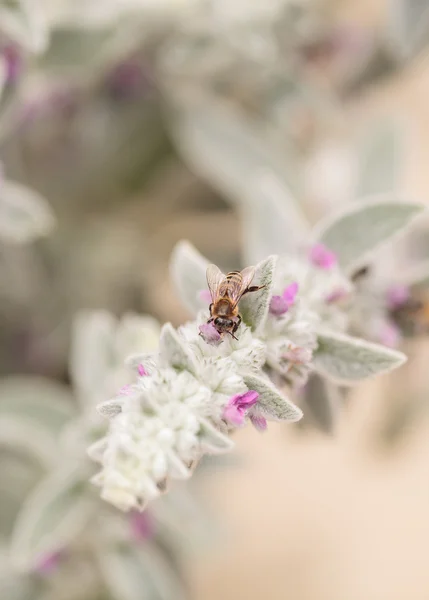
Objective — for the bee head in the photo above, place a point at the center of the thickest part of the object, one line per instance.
(223, 324)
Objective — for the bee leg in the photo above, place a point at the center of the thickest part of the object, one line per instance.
(211, 308)
(253, 288)
(237, 323)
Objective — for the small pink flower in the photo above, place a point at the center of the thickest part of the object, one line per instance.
(47, 564)
(322, 257)
(236, 409)
(142, 525)
(210, 334)
(390, 335)
(13, 60)
(397, 296)
(205, 296)
(142, 371)
(279, 305)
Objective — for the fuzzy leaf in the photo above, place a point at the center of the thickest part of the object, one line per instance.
(347, 360)
(188, 272)
(25, 23)
(213, 440)
(272, 403)
(33, 412)
(24, 214)
(379, 159)
(409, 26)
(364, 227)
(254, 306)
(271, 222)
(173, 349)
(225, 148)
(133, 573)
(52, 516)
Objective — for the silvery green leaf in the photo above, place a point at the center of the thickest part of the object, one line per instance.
(24, 21)
(271, 222)
(220, 145)
(379, 159)
(19, 474)
(91, 350)
(188, 272)
(409, 26)
(213, 440)
(33, 411)
(52, 516)
(174, 351)
(272, 403)
(355, 233)
(254, 306)
(133, 573)
(44, 403)
(348, 360)
(24, 214)
(320, 403)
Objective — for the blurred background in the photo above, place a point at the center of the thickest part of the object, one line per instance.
(126, 126)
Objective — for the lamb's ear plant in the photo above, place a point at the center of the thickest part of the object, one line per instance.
(203, 384)
(62, 540)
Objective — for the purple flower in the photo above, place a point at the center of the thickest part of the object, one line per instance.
(210, 334)
(322, 257)
(142, 525)
(236, 409)
(48, 563)
(397, 296)
(279, 305)
(205, 296)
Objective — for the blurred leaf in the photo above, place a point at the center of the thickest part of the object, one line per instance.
(24, 214)
(44, 403)
(133, 573)
(347, 360)
(174, 350)
(52, 516)
(188, 272)
(272, 403)
(226, 149)
(271, 222)
(24, 21)
(358, 231)
(33, 411)
(19, 474)
(409, 26)
(254, 306)
(91, 353)
(379, 159)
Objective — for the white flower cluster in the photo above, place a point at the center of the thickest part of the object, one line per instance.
(183, 403)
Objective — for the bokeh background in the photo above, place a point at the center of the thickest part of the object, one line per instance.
(111, 113)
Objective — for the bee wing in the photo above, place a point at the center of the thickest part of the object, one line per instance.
(237, 286)
(215, 278)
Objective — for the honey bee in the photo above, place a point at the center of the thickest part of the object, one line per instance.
(226, 292)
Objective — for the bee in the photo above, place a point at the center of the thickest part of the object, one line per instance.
(226, 292)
